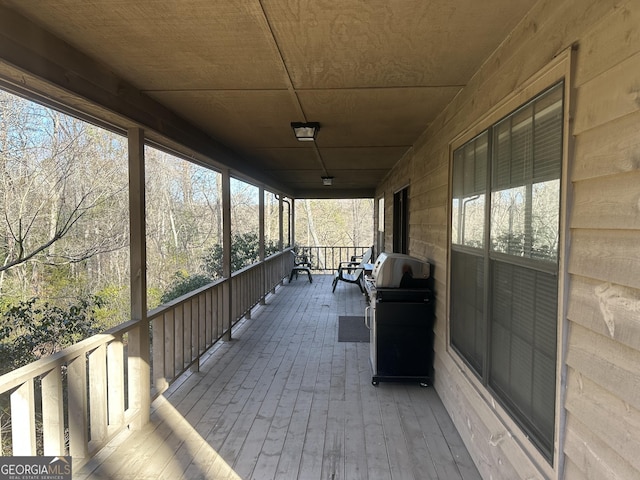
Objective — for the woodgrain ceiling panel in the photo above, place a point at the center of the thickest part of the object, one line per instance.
(374, 73)
(278, 159)
(391, 42)
(366, 158)
(247, 120)
(169, 44)
(303, 179)
(373, 117)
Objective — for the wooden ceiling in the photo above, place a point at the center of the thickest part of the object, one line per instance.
(374, 73)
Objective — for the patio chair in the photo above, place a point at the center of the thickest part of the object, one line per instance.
(353, 272)
(301, 263)
(358, 258)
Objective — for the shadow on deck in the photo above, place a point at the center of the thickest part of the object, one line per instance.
(286, 400)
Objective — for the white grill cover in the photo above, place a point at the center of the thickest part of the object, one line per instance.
(389, 268)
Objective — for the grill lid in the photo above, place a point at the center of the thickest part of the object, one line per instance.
(389, 269)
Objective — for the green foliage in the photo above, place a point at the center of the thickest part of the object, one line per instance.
(31, 330)
(114, 307)
(244, 252)
(270, 248)
(154, 297)
(58, 280)
(184, 283)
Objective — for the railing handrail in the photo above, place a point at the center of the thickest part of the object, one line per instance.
(44, 365)
(183, 330)
(183, 298)
(328, 257)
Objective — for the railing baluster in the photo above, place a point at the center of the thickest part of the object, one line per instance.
(138, 371)
(169, 345)
(23, 420)
(186, 325)
(221, 307)
(159, 380)
(239, 295)
(178, 338)
(115, 381)
(195, 330)
(210, 335)
(52, 413)
(202, 323)
(98, 394)
(329, 258)
(214, 315)
(96, 397)
(77, 392)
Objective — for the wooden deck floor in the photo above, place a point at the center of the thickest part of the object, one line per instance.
(286, 400)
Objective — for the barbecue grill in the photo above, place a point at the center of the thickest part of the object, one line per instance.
(400, 319)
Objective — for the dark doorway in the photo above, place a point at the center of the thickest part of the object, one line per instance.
(401, 221)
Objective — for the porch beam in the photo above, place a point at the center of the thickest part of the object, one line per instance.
(261, 240)
(139, 358)
(261, 246)
(280, 222)
(227, 310)
(292, 225)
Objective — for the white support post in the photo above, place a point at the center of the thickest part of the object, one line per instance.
(261, 246)
(226, 252)
(280, 223)
(376, 225)
(292, 222)
(139, 368)
(280, 230)
(261, 239)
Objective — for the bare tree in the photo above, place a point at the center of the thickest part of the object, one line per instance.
(57, 174)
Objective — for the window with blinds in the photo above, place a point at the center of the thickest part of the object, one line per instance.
(468, 332)
(504, 260)
(469, 192)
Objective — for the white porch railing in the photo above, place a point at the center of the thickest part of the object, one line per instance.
(81, 397)
(325, 258)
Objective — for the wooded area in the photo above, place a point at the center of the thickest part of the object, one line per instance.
(65, 230)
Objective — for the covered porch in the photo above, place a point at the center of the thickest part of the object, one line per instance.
(285, 399)
(400, 90)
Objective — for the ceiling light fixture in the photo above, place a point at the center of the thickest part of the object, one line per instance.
(305, 132)
(327, 181)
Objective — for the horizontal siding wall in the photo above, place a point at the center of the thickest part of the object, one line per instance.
(603, 355)
(602, 406)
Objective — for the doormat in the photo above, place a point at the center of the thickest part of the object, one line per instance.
(352, 329)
